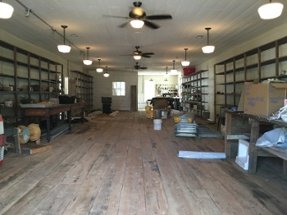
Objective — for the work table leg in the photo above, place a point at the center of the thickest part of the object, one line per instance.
(252, 146)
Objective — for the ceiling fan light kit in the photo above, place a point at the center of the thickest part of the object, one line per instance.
(6, 10)
(63, 48)
(270, 10)
(137, 23)
(137, 57)
(138, 17)
(87, 61)
(208, 49)
(185, 62)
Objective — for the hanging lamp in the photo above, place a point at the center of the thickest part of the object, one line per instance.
(6, 10)
(185, 62)
(270, 10)
(87, 61)
(64, 48)
(173, 70)
(208, 48)
(166, 71)
(106, 74)
(99, 68)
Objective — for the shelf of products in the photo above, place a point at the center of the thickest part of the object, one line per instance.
(26, 78)
(195, 94)
(268, 61)
(83, 88)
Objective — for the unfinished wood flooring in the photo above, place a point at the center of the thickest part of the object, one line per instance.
(121, 166)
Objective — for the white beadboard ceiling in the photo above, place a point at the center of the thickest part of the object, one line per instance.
(89, 24)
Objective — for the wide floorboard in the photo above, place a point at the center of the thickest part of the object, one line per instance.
(121, 166)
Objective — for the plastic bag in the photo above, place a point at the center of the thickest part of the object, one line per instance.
(280, 114)
(273, 137)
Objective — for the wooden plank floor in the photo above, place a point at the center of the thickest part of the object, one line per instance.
(120, 165)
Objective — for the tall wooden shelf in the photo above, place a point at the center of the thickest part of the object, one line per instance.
(83, 88)
(26, 77)
(268, 61)
(194, 92)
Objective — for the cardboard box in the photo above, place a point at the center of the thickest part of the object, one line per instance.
(264, 98)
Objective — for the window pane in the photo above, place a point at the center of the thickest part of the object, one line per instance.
(119, 88)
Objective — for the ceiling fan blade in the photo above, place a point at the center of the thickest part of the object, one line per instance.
(143, 67)
(148, 53)
(146, 56)
(120, 17)
(124, 24)
(158, 17)
(151, 24)
(126, 55)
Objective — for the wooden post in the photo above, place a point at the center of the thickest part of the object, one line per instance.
(252, 147)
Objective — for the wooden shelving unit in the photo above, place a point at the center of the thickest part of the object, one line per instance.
(194, 92)
(268, 61)
(26, 77)
(83, 88)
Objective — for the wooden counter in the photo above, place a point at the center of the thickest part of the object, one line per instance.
(44, 112)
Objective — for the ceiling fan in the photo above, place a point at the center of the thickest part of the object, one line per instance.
(137, 54)
(138, 14)
(138, 67)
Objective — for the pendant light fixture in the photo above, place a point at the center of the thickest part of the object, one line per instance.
(99, 68)
(6, 10)
(87, 61)
(270, 10)
(185, 62)
(208, 48)
(64, 48)
(173, 70)
(106, 74)
(137, 23)
(166, 71)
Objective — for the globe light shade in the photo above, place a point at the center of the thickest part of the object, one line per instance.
(270, 10)
(137, 57)
(6, 10)
(106, 75)
(208, 49)
(87, 62)
(99, 70)
(185, 63)
(64, 48)
(137, 23)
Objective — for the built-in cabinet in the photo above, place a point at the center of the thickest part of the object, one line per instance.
(195, 93)
(26, 77)
(268, 61)
(82, 88)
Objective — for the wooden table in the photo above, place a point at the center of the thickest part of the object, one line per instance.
(45, 111)
(238, 123)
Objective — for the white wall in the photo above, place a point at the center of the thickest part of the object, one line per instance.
(270, 35)
(103, 88)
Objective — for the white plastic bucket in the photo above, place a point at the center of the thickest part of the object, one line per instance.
(157, 124)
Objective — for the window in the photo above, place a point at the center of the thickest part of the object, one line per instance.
(119, 88)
